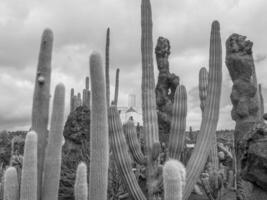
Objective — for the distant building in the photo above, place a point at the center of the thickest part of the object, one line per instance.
(131, 111)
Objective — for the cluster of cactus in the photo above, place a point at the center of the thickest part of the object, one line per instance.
(77, 100)
(41, 168)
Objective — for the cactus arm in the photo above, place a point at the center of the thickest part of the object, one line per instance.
(52, 164)
(41, 97)
(116, 94)
(178, 123)
(99, 144)
(174, 175)
(211, 112)
(81, 186)
(133, 143)
(107, 66)
(11, 185)
(121, 156)
(28, 188)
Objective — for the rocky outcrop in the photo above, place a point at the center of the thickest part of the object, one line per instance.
(165, 89)
(76, 149)
(245, 100)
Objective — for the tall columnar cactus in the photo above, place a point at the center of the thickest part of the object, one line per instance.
(52, 164)
(99, 144)
(107, 67)
(116, 94)
(87, 83)
(11, 185)
(28, 188)
(178, 123)
(174, 176)
(121, 155)
(203, 87)
(211, 112)
(203, 92)
(41, 97)
(261, 101)
(72, 99)
(149, 108)
(133, 142)
(81, 186)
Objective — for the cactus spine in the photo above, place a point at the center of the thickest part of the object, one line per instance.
(107, 67)
(52, 162)
(99, 144)
(203, 92)
(178, 123)
(41, 97)
(116, 94)
(174, 180)
(121, 156)
(211, 111)
(28, 189)
(81, 186)
(11, 185)
(133, 142)
(150, 118)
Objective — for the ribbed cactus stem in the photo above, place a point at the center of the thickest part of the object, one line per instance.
(52, 164)
(87, 83)
(178, 123)
(261, 101)
(174, 176)
(116, 94)
(84, 100)
(149, 109)
(11, 185)
(133, 142)
(99, 141)
(28, 188)
(107, 67)
(81, 186)
(211, 112)
(79, 98)
(41, 97)
(203, 92)
(203, 87)
(121, 155)
(72, 99)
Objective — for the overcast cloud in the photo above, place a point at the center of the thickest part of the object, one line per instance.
(79, 27)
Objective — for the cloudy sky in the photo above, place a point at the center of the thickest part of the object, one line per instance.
(79, 27)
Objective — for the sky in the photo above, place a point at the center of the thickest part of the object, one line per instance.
(79, 27)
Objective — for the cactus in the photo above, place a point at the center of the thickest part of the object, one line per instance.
(81, 186)
(211, 112)
(133, 142)
(72, 99)
(121, 156)
(116, 94)
(150, 118)
(174, 176)
(203, 87)
(28, 189)
(11, 185)
(178, 123)
(41, 97)
(107, 66)
(52, 162)
(99, 144)
(261, 102)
